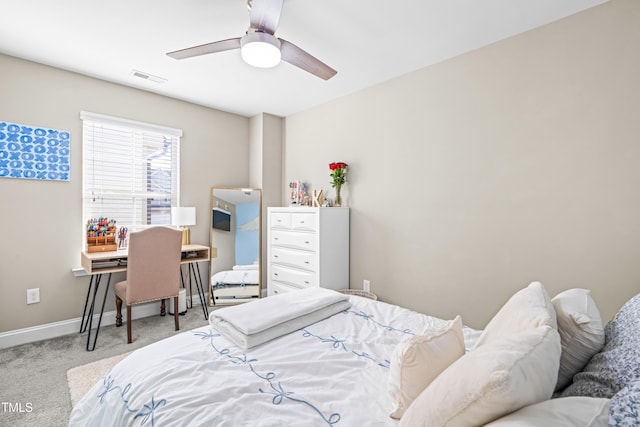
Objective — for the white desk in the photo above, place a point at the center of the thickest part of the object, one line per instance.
(98, 263)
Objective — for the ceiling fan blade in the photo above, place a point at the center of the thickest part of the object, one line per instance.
(301, 59)
(203, 49)
(265, 14)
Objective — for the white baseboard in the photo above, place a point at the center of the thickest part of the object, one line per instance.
(66, 327)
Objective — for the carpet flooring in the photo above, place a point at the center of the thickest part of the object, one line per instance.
(82, 378)
(33, 377)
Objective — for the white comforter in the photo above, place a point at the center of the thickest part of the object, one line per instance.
(235, 277)
(333, 372)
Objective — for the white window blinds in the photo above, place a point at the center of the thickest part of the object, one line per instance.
(130, 170)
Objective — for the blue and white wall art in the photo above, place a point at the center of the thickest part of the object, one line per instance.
(32, 152)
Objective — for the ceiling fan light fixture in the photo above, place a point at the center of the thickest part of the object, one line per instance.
(260, 50)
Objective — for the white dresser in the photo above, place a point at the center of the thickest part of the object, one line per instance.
(307, 247)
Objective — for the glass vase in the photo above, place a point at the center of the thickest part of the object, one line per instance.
(338, 201)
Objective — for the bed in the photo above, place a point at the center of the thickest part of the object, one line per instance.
(344, 370)
(242, 282)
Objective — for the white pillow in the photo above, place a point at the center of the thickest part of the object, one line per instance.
(581, 332)
(528, 308)
(490, 381)
(567, 412)
(417, 361)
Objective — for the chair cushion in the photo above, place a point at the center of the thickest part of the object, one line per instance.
(490, 381)
(417, 361)
(120, 290)
(581, 332)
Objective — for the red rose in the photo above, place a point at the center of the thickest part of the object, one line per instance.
(337, 165)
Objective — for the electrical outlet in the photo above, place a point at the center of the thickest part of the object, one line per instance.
(33, 296)
(366, 285)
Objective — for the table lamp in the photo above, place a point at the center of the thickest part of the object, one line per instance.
(184, 217)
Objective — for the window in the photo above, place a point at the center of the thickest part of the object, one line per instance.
(130, 170)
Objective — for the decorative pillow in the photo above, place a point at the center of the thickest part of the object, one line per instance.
(567, 412)
(490, 381)
(581, 332)
(623, 411)
(528, 308)
(618, 364)
(417, 361)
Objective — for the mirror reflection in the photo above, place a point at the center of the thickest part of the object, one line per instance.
(235, 245)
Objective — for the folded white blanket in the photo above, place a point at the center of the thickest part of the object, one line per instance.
(253, 323)
(246, 342)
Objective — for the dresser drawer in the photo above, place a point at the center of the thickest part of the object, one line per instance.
(303, 221)
(295, 277)
(276, 288)
(280, 220)
(295, 258)
(306, 241)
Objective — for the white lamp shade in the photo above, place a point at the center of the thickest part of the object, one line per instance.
(260, 50)
(183, 216)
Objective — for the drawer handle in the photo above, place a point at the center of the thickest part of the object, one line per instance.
(306, 281)
(275, 256)
(307, 242)
(275, 274)
(275, 238)
(301, 222)
(306, 262)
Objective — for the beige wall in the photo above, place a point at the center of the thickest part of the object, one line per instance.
(42, 223)
(266, 136)
(473, 177)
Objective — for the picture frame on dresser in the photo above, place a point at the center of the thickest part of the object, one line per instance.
(307, 247)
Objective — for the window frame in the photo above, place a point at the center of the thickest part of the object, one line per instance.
(140, 138)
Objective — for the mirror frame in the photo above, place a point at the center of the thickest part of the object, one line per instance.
(214, 250)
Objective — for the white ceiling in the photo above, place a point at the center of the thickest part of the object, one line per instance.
(367, 41)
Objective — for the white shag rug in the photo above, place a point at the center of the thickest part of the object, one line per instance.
(82, 378)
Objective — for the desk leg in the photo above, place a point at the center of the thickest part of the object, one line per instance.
(199, 286)
(85, 317)
(88, 322)
(189, 268)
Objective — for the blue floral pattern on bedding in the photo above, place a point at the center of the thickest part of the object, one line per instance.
(276, 388)
(144, 413)
(624, 410)
(339, 344)
(370, 318)
(245, 280)
(615, 372)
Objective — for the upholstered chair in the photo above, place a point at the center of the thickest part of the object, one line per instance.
(153, 272)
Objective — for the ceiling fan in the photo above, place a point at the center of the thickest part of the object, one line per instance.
(259, 46)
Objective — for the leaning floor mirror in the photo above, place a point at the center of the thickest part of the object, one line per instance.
(234, 236)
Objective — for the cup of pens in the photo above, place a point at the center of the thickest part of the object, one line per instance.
(122, 238)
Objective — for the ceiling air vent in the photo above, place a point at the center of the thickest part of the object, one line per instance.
(148, 76)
